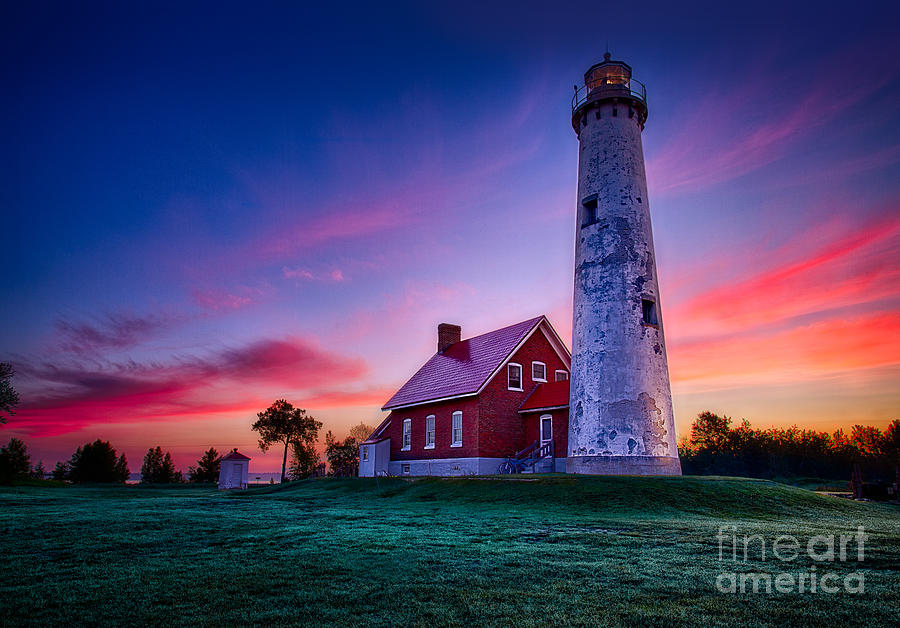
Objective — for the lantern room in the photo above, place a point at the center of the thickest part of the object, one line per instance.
(609, 81)
(608, 73)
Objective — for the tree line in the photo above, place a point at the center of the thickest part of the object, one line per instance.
(717, 447)
(280, 424)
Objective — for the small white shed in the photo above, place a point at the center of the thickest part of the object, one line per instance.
(234, 470)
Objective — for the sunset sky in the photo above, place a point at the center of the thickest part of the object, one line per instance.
(209, 206)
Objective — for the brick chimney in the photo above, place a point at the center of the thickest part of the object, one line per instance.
(447, 335)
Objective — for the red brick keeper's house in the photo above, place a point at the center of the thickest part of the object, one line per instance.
(474, 403)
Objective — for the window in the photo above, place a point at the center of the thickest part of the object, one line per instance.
(404, 469)
(456, 430)
(648, 308)
(591, 211)
(546, 427)
(538, 372)
(407, 434)
(514, 376)
(429, 432)
(562, 376)
(365, 452)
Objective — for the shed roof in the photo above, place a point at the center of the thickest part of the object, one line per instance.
(234, 455)
(546, 396)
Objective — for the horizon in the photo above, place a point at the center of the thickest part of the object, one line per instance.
(216, 208)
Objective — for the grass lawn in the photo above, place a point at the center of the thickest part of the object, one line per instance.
(556, 550)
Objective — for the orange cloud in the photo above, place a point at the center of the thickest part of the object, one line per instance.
(804, 353)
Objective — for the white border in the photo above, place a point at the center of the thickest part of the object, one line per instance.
(535, 379)
(521, 377)
(403, 433)
(434, 431)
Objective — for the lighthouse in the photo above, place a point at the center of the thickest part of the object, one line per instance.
(621, 419)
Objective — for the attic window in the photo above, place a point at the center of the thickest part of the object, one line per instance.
(591, 212)
(514, 376)
(562, 376)
(648, 308)
(538, 372)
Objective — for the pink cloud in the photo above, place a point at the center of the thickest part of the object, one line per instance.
(61, 399)
(304, 274)
(216, 300)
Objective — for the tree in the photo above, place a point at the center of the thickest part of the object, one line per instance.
(867, 439)
(710, 431)
(283, 423)
(9, 398)
(207, 469)
(97, 462)
(360, 432)
(343, 457)
(15, 463)
(60, 471)
(39, 472)
(892, 441)
(304, 460)
(158, 468)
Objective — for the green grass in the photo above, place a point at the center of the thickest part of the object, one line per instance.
(560, 550)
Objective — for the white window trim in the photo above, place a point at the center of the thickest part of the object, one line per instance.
(557, 372)
(365, 452)
(433, 434)
(537, 379)
(541, 428)
(455, 443)
(521, 377)
(403, 435)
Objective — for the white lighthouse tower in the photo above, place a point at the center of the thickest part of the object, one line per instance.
(621, 419)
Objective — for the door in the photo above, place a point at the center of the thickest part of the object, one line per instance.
(236, 476)
(546, 428)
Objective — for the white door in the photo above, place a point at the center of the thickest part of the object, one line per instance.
(546, 428)
(235, 476)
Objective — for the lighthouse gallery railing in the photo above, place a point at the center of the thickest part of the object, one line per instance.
(609, 87)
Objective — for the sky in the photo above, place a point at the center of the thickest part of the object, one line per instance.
(211, 206)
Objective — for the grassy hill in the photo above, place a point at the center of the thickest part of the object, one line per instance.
(556, 550)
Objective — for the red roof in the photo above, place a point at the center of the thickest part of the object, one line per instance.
(549, 395)
(463, 367)
(234, 455)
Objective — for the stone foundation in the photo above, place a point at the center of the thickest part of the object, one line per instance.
(623, 465)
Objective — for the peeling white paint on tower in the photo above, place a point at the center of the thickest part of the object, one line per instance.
(620, 409)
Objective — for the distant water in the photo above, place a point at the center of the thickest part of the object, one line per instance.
(253, 478)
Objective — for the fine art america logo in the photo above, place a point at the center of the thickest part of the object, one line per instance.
(825, 550)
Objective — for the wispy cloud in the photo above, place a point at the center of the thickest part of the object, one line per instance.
(857, 265)
(728, 135)
(110, 331)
